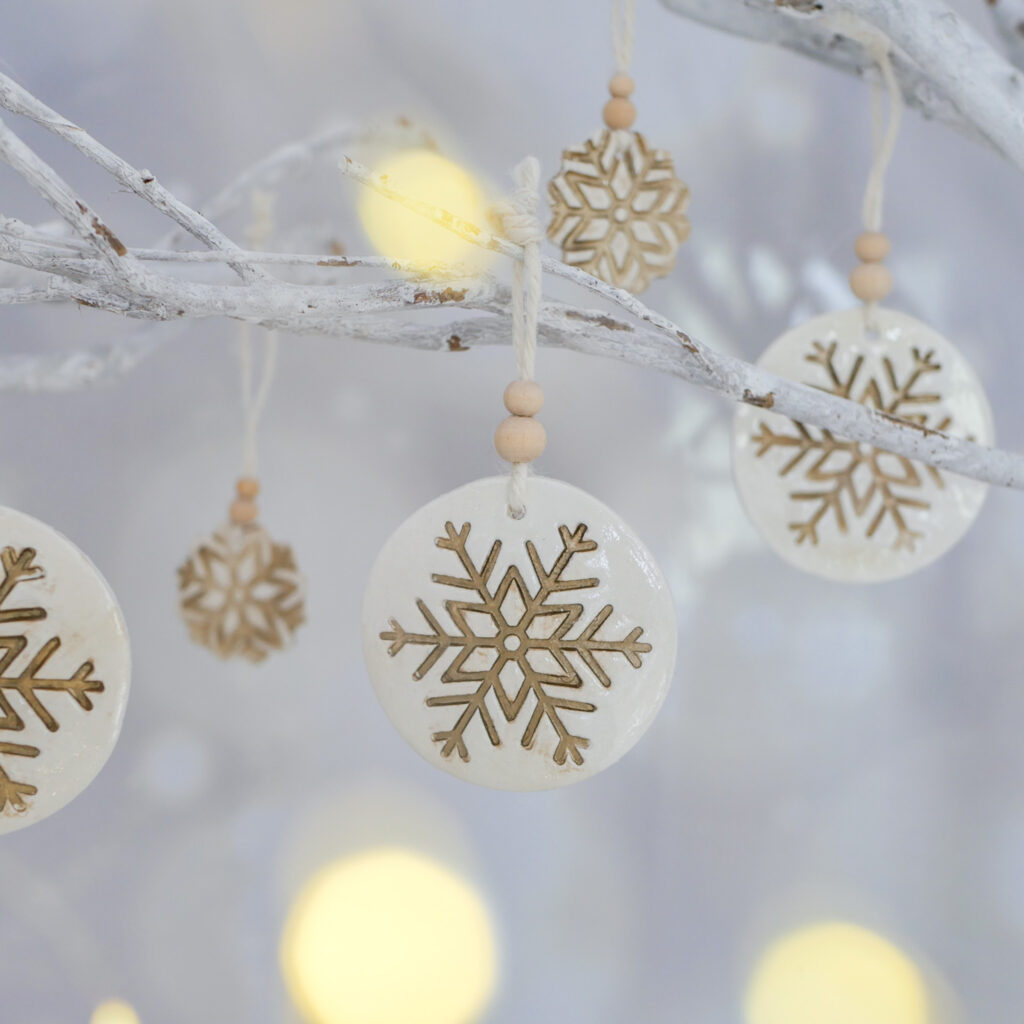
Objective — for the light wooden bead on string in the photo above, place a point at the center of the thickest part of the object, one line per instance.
(521, 439)
(244, 508)
(871, 281)
(619, 111)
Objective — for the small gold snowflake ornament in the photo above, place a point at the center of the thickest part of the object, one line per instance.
(242, 594)
(618, 209)
(64, 670)
(846, 510)
(518, 653)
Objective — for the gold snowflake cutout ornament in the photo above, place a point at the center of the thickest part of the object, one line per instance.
(618, 209)
(65, 669)
(845, 510)
(518, 653)
(241, 592)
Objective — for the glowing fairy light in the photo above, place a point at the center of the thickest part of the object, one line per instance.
(114, 1011)
(401, 234)
(386, 937)
(836, 973)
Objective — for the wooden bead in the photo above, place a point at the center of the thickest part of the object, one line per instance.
(524, 398)
(871, 282)
(248, 487)
(621, 85)
(619, 113)
(520, 439)
(872, 246)
(243, 511)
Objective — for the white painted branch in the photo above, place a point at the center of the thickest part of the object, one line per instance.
(288, 161)
(947, 71)
(65, 201)
(90, 275)
(1008, 17)
(143, 183)
(487, 240)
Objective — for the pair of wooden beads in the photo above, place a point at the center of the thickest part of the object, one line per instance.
(521, 438)
(619, 112)
(871, 281)
(244, 509)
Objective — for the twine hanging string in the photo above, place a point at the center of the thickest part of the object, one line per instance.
(518, 215)
(883, 138)
(254, 398)
(623, 30)
(884, 134)
(623, 26)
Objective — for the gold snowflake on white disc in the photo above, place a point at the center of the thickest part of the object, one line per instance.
(618, 209)
(844, 509)
(242, 593)
(64, 670)
(518, 653)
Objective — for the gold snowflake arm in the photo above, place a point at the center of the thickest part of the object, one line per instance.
(551, 581)
(587, 644)
(17, 567)
(892, 506)
(903, 394)
(12, 792)
(803, 441)
(78, 686)
(439, 640)
(830, 500)
(453, 740)
(548, 707)
(475, 579)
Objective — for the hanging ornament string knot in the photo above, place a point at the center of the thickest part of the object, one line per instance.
(520, 439)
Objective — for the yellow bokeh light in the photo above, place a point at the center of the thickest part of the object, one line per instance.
(836, 973)
(114, 1011)
(399, 233)
(386, 937)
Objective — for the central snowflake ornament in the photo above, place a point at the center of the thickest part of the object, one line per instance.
(618, 209)
(546, 650)
(844, 509)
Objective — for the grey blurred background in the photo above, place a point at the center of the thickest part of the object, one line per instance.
(827, 751)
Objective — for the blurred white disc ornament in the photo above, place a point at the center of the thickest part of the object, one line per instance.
(848, 511)
(64, 670)
(518, 653)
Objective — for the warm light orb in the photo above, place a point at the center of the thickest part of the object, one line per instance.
(387, 937)
(400, 234)
(836, 973)
(114, 1011)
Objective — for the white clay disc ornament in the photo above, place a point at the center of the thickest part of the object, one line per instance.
(64, 670)
(518, 653)
(848, 511)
